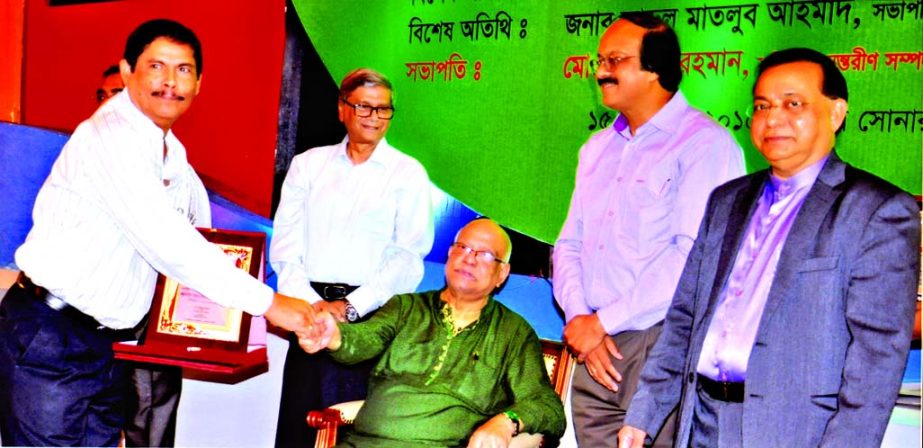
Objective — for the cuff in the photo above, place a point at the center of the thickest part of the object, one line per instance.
(363, 300)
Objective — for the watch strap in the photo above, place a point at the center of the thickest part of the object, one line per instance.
(515, 419)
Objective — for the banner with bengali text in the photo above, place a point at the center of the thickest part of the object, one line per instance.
(496, 97)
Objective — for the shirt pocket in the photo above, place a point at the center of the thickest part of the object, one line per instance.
(821, 283)
(818, 264)
(654, 199)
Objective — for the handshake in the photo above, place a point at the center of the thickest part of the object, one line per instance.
(316, 330)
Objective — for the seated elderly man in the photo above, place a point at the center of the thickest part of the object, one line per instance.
(454, 363)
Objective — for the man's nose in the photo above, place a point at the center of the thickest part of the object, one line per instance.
(774, 116)
(170, 78)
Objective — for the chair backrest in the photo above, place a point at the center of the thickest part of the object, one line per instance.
(559, 363)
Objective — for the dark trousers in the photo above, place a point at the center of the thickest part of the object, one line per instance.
(718, 424)
(314, 382)
(152, 403)
(598, 413)
(59, 382)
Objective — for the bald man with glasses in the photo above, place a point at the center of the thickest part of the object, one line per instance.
(456, 368)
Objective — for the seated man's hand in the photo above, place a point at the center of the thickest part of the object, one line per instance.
(494, 433)
(336, 308)
(291, 314)
(583, 334)
(326, 334)
(631, 437)
(599, 364)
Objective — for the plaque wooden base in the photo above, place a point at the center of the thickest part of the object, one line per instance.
(207, 364)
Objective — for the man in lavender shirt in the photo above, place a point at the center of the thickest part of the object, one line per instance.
(640, 194)
(792, 319)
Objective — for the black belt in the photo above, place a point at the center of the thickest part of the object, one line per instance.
(71, 313)
(731, 392)
(332, 291)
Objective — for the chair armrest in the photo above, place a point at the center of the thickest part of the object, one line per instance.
(348, 410)
(327, 421)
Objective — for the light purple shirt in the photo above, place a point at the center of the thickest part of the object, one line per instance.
(634, 214)
(732, 331)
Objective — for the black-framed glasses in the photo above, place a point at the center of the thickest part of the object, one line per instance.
(460, 250)
(610, 62)
(364, 110)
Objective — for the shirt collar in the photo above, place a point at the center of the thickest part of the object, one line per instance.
(667, 119)
(802, 179)
(134, 115)
(445, 312)
(383, 154)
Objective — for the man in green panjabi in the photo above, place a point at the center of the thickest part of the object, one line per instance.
(456, 367)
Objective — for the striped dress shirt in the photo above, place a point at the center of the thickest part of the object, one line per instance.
(115, 211)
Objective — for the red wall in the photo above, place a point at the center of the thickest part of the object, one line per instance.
(230, 131)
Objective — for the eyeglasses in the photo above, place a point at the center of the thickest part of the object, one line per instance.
(610, 62)
(363, 111)
(790, 106)
(460, 250)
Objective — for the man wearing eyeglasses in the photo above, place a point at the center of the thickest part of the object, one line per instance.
(792, 320)
(352, 227)
(640, 193)
(457, 368)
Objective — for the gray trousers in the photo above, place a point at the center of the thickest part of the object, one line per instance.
(152, 402)
(598, 413)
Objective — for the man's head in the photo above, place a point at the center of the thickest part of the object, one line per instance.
(479, 259)
(638, 54)
(366, 106)
(162, 69)
(112, 84)
(799, 103)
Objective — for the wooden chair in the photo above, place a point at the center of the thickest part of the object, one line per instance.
(558, 361)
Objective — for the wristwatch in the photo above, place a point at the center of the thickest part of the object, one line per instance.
(515, 419)
(351, 314)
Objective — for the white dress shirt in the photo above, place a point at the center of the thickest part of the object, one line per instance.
(635, 212)
(114, 211)
(368, 225)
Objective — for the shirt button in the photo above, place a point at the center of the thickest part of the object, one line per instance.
(618, 179)
(601, 247)
(738, 293)
(611, 213)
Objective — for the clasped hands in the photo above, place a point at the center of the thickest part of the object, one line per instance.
(588, 340)
(314, 325)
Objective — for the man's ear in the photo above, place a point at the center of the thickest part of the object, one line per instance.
(198, 84)
(341, 111)
(124, 71)
(504, 273)
(838, 113)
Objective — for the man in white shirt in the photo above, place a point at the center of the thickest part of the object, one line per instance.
(115, 210)
(353, 225)
(155, 389)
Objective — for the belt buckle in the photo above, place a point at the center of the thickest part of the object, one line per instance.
(334, 291)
